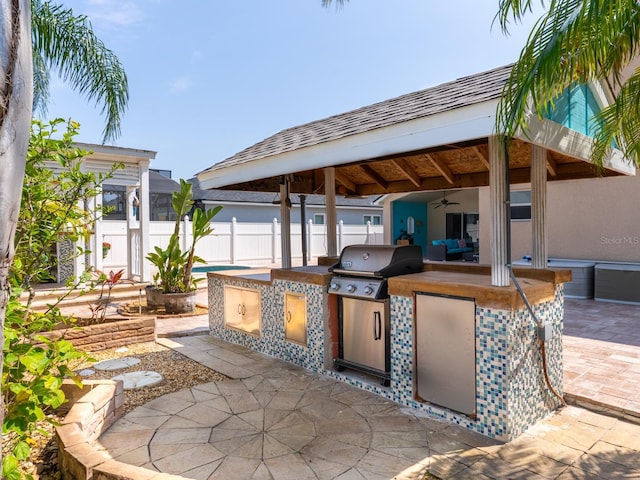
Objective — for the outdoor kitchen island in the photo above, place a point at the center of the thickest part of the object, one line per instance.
(501, 372)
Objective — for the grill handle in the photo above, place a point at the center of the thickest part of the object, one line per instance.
(377, 326)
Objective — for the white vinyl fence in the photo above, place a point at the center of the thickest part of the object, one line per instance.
(239, 243)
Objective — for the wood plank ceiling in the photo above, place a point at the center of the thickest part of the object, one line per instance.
(463, 165)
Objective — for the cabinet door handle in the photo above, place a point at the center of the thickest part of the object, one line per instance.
(240, 308)
(377, 326)
(289, 316)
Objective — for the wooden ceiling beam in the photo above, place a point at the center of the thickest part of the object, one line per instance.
(442, 168)
(348, 184)
(480, 156)
(373, 175)
(407, 171)
(552, 168)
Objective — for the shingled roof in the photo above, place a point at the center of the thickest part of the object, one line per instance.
(459, 93)
(433, 139)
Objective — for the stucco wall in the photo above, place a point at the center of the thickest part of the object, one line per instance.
(592, 219)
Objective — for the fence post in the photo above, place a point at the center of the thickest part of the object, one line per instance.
(185, 232)
(309, 228)
(234, 240)
(368, 233)
(340, 233)
(274, 240)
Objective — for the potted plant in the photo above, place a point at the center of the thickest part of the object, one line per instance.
(174, 265)
(106, 247)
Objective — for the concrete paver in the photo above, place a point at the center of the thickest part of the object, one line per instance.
(276, 421)
(601, 345)
(283, 422)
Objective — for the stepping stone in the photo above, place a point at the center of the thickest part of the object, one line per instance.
(86, 372)
(116, 363)
(141, 379)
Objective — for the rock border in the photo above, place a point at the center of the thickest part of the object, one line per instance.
(93, 409)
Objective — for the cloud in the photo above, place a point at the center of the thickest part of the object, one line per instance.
(181, 84)
(112, 13)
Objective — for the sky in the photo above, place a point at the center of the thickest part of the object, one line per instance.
(209, 78)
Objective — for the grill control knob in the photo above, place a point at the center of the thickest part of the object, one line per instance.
(351, 288)
(368, 290)
(334, 286)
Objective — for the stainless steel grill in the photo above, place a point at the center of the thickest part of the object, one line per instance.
(360, 281)
(363, 269)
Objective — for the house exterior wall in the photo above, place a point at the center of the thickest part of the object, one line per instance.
(258, 213)
(589, 219)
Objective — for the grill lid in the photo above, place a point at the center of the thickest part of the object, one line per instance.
(379, 260)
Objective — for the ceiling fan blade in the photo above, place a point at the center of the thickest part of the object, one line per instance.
(453, 203)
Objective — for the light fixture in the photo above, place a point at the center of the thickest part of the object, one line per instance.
(276, 199)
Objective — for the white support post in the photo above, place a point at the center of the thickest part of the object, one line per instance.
(96, 205)
(234, 240)
(285, 227)
(274, 240)
(539, 254)
(340, 235)
(368, 242)
(186, 230)
(144, 267)
(309, 239)
(330, 205)
(498, 196)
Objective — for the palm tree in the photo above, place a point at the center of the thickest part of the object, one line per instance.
(60, 41)
(577, 41)
(15, 117)
(66, 43)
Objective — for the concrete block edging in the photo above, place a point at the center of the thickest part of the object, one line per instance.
(92, 410)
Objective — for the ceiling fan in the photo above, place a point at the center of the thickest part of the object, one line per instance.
(444, 202)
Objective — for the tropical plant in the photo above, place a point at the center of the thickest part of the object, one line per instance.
(52, 200)
(105, 281)
(175, 266)
(33, 365)
(33, 370)
(66, 43)
(577, 42)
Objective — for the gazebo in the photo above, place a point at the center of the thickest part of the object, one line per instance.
(435, 139)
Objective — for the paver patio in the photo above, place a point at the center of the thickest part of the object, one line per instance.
(277, 421)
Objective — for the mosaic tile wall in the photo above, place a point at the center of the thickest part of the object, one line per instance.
(510, 390)
(272, 339)
(65, 255)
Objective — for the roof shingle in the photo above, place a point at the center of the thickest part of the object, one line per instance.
(459, 93)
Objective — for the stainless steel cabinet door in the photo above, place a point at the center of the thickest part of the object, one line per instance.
(363, 332)
(295, 318)
(242, 309)
(445, 352)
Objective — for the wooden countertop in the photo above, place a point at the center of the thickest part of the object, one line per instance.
(473, 285)
(312, 274)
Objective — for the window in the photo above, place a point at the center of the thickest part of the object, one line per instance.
(114, 201)
(373, 219)
(318, 218)
(161, 208)
(521, 205)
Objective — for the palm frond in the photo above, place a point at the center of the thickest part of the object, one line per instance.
(68, 44)
(575, 42)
